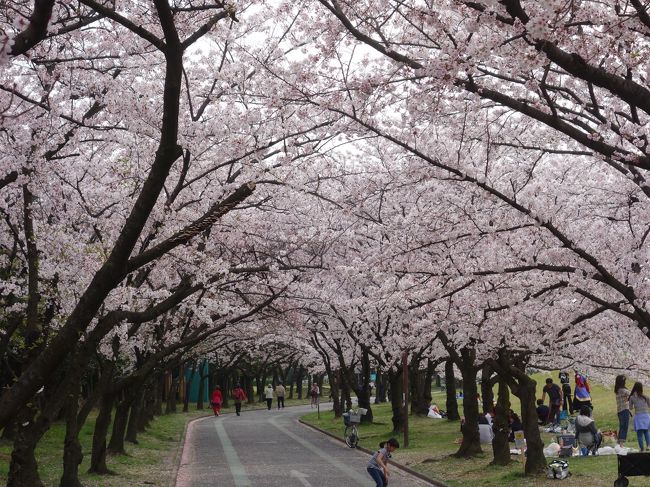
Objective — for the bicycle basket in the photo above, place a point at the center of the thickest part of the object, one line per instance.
(354, 417)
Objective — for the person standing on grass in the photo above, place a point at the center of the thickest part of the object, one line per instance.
(378, 463)
(279, 393)
(239, 396)
(268, 395)
(216, 400)
(556, 398)
(565, 382)
(315, 392)
(581, 393)
(640, 403)
(622, 408)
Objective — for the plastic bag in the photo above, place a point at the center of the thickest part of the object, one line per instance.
(552, 450)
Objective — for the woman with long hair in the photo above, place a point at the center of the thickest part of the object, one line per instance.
(640, 403)
(622, 408)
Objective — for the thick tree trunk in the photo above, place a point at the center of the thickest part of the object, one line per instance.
(299, 377)
(450, 382)
(188, 387)
(535, 460)
(116, 442)
(512, 368)
(170, 406)
(23, 469)
(486, 389)
(471, 444)
(157, 394)
(501, 428)
(421, 390)
(103, 421)
(72, 451)
(363, 388)
(335, 393)
(395, 380)
(134, 416)
(199, 400)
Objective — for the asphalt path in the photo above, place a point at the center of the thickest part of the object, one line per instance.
(272, 449)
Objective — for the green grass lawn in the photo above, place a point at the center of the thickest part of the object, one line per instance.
(150, 463)
(432, 441)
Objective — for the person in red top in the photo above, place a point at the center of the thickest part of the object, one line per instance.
(217, 399)
(238, 395)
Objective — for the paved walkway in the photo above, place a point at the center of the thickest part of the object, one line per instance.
(271, 449)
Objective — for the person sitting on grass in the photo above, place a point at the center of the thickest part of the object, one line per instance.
(378, 463)
(515, 425)
(542, 412)
(586, 433)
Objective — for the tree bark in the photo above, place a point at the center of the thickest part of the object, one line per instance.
(450, 383)
(486, 389)
(188, 387)
(500, 426)
(116, 442)
(471, 444)
(395, 381)
(512, 369)
(134, 416)
(202, 376)
(98, 454)
(23, 469)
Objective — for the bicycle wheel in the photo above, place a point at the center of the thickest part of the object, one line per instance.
(351, 436)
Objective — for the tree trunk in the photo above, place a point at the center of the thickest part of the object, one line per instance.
(134, 416)
(395, 380)
(116, 442)
(450, 382)
(103, 421)
(335, 393)
(421, 390)
(170, 407)
(501, 428)
(299, 378)
(471, 444)
(535, 460)
(486, 389)
(512, 368)
(363, 388)
(23, 469)
(72, 451)
(188, 387)
(157, 394)
(202, 376)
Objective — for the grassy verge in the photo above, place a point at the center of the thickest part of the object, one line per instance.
(149, 463)
(432, 442)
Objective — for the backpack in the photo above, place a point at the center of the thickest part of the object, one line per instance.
(558, 469)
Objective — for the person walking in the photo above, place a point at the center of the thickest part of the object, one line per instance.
(216, 400)
(378, 464)
(279, 393)
(268, 395)
(639, 402)
(314, 393)
(555, 400)
(238, 395)
(622, 408)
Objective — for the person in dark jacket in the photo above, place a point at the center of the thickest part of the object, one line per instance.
(542, 412)
(239, 396)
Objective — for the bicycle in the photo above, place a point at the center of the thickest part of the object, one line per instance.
(351, 419)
